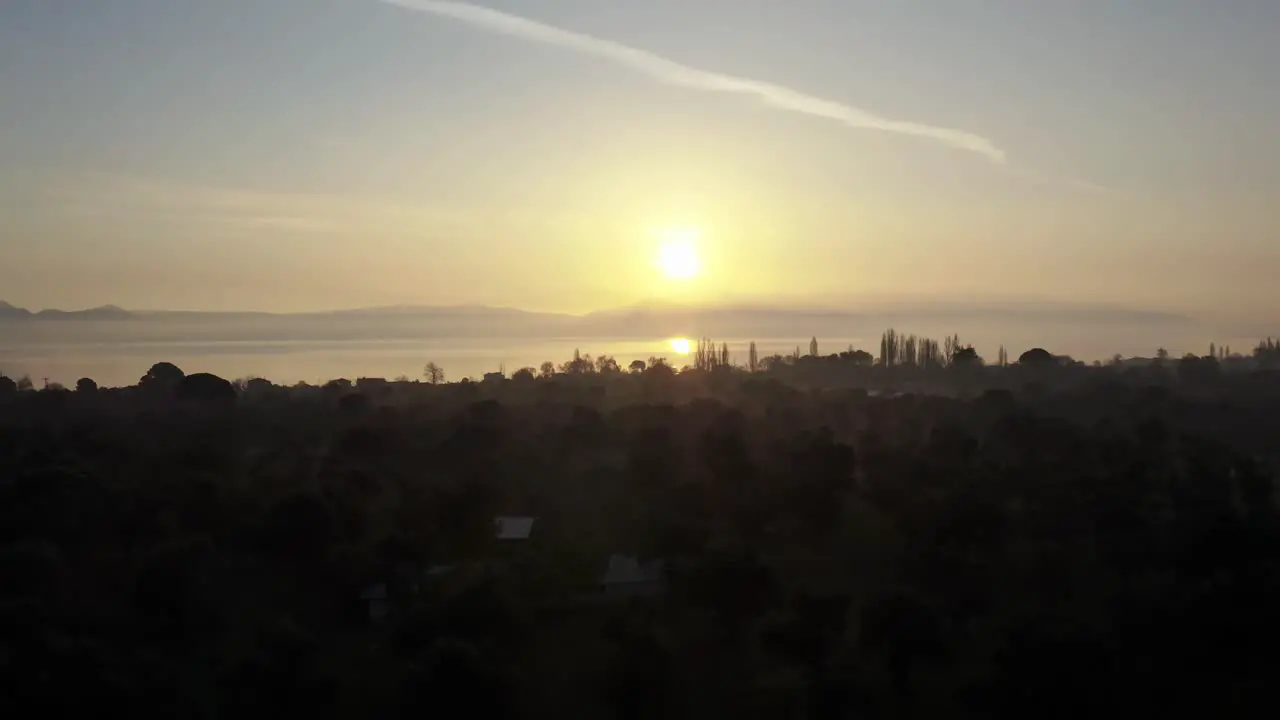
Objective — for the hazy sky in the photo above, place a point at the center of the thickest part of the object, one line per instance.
(302, 154)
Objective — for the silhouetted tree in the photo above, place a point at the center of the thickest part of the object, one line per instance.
(547, 369)
(707, 357)
(949, 347)
(606, 364)
(1205, 370)
(753, 358)
(162, 377)
(579, 365)
(966, 357)
(1267, 353)
(86, 385)
(7, 386)
(525, 375)
(637, 366)
(813, 346)
(433, 373)
(25, 384)
(205, 388)
(1037, 357)
(890, 348)
(858, 358)
(1077, 540)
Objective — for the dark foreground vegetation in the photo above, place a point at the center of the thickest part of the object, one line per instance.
(824, 537)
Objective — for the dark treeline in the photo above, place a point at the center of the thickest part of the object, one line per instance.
(912, 532)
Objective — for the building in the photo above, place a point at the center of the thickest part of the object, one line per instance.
(513, 528)
(626, 576)
(376, 597)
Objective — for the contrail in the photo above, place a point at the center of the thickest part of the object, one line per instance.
(673, 73)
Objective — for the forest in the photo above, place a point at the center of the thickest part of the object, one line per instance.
(909, 531)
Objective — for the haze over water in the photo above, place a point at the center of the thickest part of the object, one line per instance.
(284, 351)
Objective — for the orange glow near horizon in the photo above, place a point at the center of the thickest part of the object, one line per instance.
(679, 346)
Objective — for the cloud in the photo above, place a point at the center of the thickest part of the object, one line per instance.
(673, 73)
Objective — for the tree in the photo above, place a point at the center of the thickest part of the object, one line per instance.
(86, 385)
(889, 345)
(659, 367)
(949, 347)
(708, 357)
(25, 384)
(965, 357)
(1037, 357)
(205, 388)
(637, 366)
(860, 358)
(579, 365)
(910, 351)
(524, 374)
(259, 386)
(606, 364)
(162, 376)
(7, 386)
(753, 358)
(547, 369)
(813, 346)
(1162, 355)
(433, 373)
(1267, 353)
(1199, 370)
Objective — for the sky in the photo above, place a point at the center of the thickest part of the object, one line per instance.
(316, 154)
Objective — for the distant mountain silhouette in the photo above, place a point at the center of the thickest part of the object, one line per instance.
(471, 311)
(105, 312)
(782, 321)
(9, 311)
(644, 320)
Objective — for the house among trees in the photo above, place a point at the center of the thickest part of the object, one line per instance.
(376, 596)
(513, 527)
(626, 576)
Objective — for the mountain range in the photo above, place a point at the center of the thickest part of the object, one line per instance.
(652, 313)
(105, 312)
(1093, 331)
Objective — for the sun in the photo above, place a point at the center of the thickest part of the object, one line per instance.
(680, 346)
(678, 257)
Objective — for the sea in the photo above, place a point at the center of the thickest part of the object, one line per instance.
(115, 354)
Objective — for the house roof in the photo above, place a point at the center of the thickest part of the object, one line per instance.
(628, 569)
(513, 528)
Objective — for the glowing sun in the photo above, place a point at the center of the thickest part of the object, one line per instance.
(680, 346)
(678, 258)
